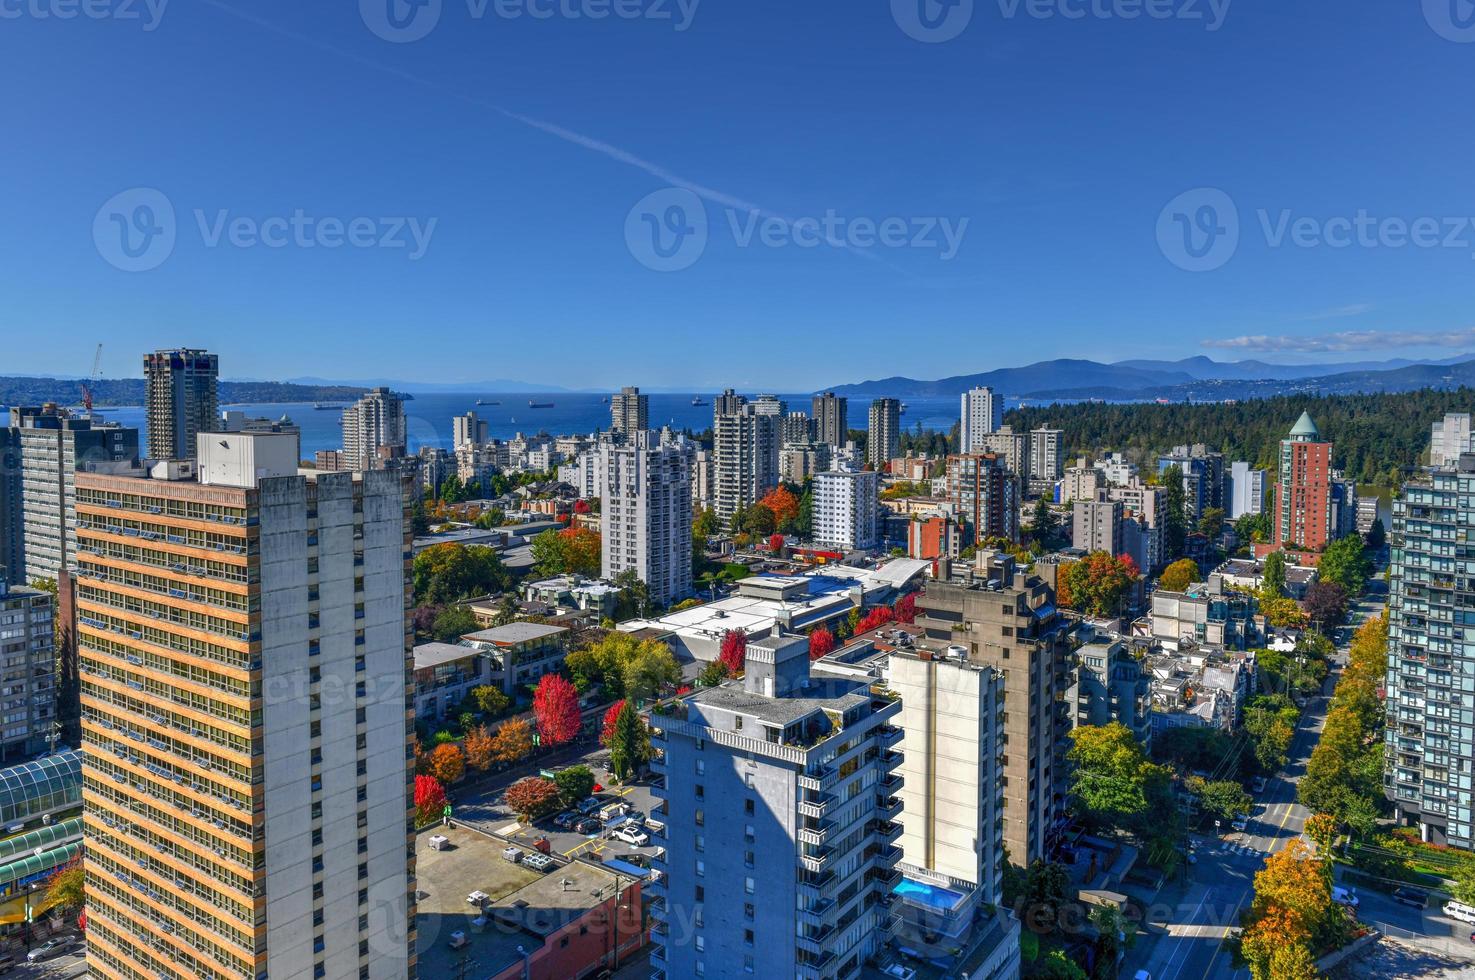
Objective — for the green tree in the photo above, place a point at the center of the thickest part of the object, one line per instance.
(1224, 799)
(1175, 517)
(1346, 563)
(1045, 888)
(1113, 784)
(1056, 965)
(705, 524)
(451, 490)
(1043, 522)
(1253, 527)
(804, 524)
(491, 700)
(712, 674)
(1464, 890)
(1377, 535)
(454, 622)
(1211, 522)
(65, 888)
(629, 743)
(1273, 580)
(574, 783)
(634, 596)
(648, 669)
(448, 572)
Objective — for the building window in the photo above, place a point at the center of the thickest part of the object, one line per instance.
(748, 911)
(748, 885)
(701, 767)
(748, 807)
(701, 843)
(701, 869)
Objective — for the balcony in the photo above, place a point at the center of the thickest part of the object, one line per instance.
(658, 863)
(890, 735)
(818, 781)
(891, 784)
(657, 764)
(813, 942)
(658, 957)
(885, 831)
(818, 914)
(817, 807)
(816, 834)
(815, 887)
(888, 807)
(887, 878)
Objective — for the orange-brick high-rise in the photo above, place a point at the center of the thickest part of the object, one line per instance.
(1303, 498)
(246, 732)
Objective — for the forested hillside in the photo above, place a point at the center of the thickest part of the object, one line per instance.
(1376, 436)
(129, 391)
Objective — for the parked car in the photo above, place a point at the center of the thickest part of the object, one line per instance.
(537, 862)
(632, 836)
(48, 949)
(588, 825)
(565, 819)
(1241, 823)
(1411, 897)
(589, 804)
(1345, 896)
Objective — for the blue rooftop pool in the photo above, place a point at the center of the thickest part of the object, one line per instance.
(933, 896)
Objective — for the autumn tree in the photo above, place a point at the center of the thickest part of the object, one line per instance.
(1098, 584)
(533, 797)
(784, 506)
(821, 642)
(1179, 575)
(573, 550)
(447, 764)
(65, 887)
(607, 726)
(556, 707)
(491, 700)
(480, 749)
(430, 798)
(906, 608)
(1321, 828)
(875, 619)
(734, 651)
(1293, 907)
(775, 543)
(620, 659)
(649, 669)
(513, 741)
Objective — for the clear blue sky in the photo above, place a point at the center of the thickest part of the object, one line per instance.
(529, 141)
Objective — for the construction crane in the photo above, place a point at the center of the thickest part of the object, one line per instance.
(92, 381)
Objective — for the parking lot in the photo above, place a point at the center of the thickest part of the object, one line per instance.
(486, 808)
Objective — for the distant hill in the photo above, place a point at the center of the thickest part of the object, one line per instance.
(1192, 379)
(130, 391)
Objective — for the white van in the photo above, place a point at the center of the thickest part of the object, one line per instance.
(1460, 911)
(1345, 896)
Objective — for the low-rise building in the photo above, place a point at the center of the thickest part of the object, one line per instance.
(444, 674)
(1112, 685)
(1207, 615)
(1247, 574)
(933, 537)
(574, 592)
(1096, 525)
(520, 653)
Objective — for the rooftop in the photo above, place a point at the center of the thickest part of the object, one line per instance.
(514, 633)
(429, 655)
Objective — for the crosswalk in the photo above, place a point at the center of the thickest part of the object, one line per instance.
(1225, 849)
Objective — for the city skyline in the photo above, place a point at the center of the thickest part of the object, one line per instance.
(458, 180)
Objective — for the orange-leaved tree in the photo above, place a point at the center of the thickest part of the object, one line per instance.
(784, 505)
(447, 764)
(513, 741)
(480, 753)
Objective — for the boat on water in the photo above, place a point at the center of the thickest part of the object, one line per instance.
(482, 401)
(320, 407)
(533, 404)
(697, 402)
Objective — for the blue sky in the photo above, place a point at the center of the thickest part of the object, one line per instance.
(522, 150)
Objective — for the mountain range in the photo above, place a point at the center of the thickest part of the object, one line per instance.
(1196, 378)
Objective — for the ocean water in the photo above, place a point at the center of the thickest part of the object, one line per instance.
(428, 416)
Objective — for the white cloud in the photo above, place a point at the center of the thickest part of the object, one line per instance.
(1347, 340)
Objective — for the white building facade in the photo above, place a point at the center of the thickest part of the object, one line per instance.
(846, 510)
(646, 514)
(982, 413)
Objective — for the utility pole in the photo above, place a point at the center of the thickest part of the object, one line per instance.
(464, 964)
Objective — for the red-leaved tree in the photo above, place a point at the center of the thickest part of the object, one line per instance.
(608, 731)
(581, 506)
(875, 619)
(734, 651)
(531, 797)
(775, 543)
(430, 797)
(821, 642)
(906, 608)
(556, 706)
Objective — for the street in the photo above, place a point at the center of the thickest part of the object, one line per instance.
(1199, 914)
(483, 806)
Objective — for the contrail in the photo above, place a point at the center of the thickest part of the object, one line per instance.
(552, 129)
